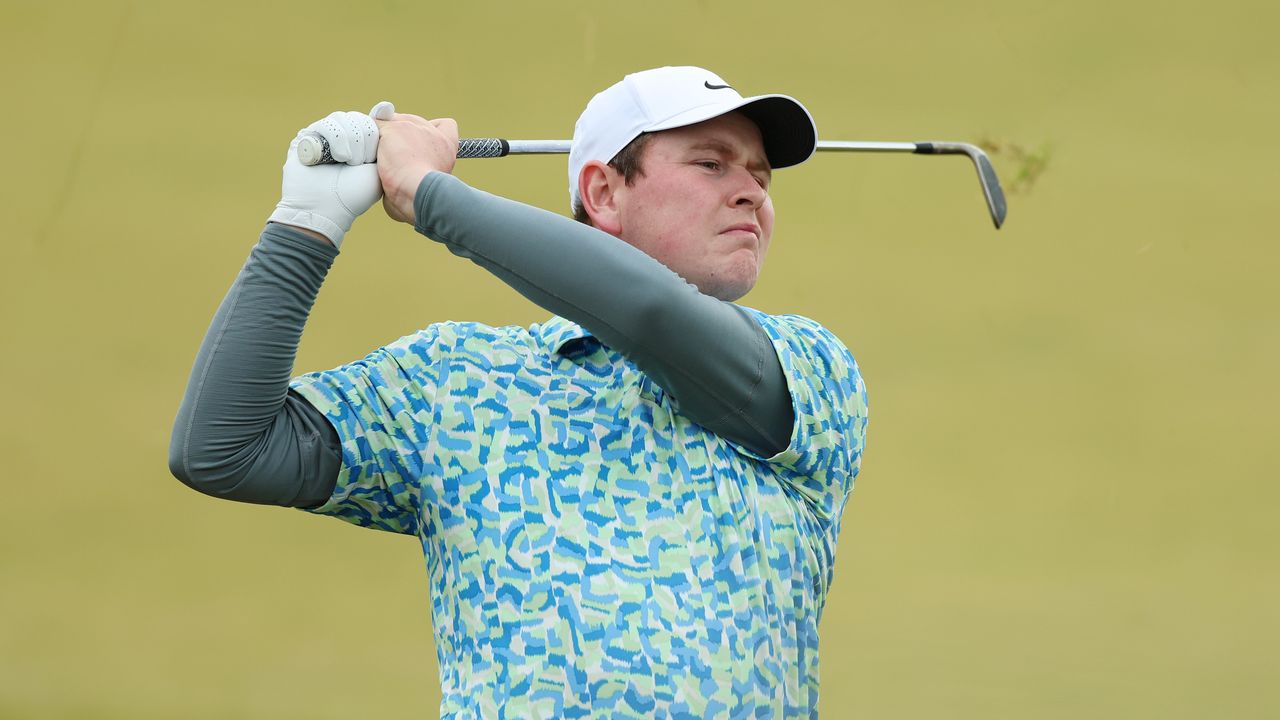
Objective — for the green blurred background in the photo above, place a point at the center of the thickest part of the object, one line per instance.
(1065, 507)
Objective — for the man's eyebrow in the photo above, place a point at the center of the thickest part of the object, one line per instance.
(721, 146)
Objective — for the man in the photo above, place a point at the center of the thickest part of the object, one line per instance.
(630, 510)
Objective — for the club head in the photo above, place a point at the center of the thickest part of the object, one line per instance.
(991, 189)
(990, 185)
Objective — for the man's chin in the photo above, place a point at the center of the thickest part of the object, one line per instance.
(728, 289)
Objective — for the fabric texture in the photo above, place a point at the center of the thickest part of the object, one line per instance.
(591, 551)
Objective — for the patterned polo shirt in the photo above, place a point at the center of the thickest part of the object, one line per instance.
(591, 551)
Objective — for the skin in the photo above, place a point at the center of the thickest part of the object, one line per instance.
(409, 147)
(701, 205)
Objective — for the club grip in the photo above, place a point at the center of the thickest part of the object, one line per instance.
(313, 149)
(483, 148)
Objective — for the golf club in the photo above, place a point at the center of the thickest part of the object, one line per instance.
(313, 149)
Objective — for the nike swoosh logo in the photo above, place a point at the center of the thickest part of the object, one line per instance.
(709, 86)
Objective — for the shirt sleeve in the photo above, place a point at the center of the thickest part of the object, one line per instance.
(829, 403)
(382, 408)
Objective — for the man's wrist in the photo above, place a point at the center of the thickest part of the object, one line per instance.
(404, 201)
(320, 237)
(313, 224)
(422, 196)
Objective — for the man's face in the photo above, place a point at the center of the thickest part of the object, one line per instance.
(701, 205)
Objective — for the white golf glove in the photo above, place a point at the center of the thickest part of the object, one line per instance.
(328, 198)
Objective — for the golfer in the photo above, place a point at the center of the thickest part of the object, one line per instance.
(627, 511)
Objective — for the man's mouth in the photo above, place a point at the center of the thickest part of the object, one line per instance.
(751, 228)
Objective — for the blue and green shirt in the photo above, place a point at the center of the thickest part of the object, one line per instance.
(591, 551)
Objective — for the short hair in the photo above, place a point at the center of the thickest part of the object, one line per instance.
(627, 162)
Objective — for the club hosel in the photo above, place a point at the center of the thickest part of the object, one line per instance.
(935, 147)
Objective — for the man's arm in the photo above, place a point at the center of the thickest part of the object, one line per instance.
(711, 356)
(240, 434)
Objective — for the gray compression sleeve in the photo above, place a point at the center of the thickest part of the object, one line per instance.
(711, 356)
(240, 433)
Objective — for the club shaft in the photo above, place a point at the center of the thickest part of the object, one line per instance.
(560, 147)
(498, 147)
(991, 190)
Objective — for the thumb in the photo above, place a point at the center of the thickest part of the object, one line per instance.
(384, 110)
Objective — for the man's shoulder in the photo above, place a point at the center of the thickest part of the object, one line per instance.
(796, 336)
(790, 325)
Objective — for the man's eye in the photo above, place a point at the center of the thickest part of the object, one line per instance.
(709, 164)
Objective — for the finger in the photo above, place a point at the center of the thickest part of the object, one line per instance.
(362, 134)
(410, 118)
(333, 129)
(384, 110)
(395, 117)
(447, 127)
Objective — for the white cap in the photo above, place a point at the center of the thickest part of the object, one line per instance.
(671, 97)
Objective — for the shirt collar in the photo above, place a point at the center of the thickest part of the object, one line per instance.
(561, 336)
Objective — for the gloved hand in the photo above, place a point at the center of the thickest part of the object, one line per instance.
(328, 198)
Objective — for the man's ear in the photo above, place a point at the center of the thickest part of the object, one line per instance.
(598, 186)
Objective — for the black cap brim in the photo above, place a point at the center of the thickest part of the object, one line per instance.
(786, 128)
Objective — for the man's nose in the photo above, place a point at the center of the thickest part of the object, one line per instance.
(747, 189)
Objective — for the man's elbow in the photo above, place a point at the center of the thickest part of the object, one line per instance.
(250, 473)
(177, 457)
(200, 473)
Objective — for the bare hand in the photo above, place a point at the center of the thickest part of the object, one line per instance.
(409, 147)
